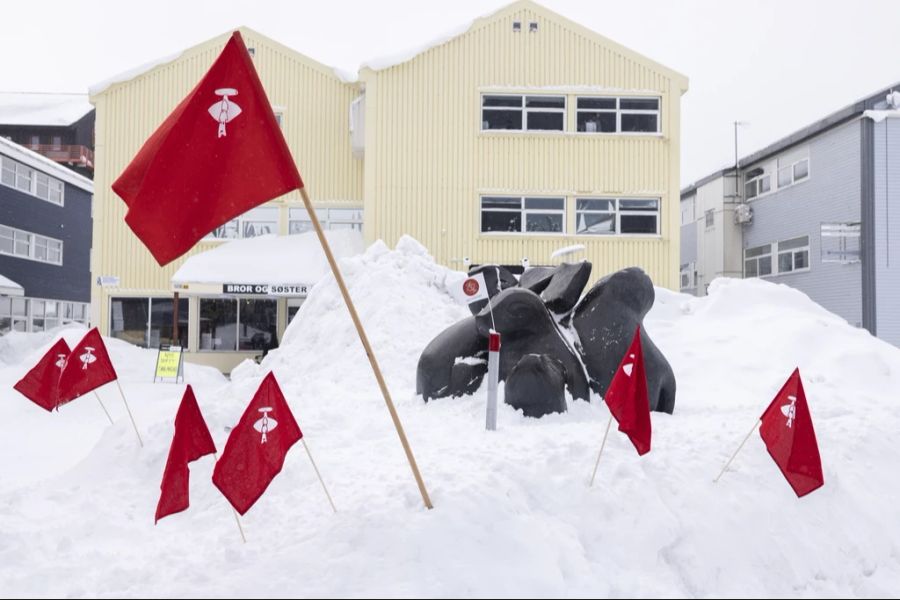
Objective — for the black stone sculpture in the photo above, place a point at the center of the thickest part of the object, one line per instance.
(496, 278)
(538, 363)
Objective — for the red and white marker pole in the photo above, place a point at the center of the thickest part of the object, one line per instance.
(493, 379)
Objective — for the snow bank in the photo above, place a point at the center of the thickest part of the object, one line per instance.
(513, 514)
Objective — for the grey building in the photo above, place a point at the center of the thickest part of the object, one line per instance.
(45, 242)
(812, 210)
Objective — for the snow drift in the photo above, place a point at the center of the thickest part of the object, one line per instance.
(513, 513)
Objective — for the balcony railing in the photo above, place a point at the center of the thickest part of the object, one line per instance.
(65, 153)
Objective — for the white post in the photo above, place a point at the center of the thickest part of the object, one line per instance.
(133, 424)
(493, 379)
(733, 456)
(319, 475)
(602, 444)
(106, 412)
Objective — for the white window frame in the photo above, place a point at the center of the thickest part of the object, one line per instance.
(237, 316)
(793, 252)
(241, 223)
(32, 240)
(766, 253)
(329, 218)
(756, 182)
(619, 111)
(523, 107)
(53, 310)
(523, 212)
(620, 212)
(792, 169)
(34, 178)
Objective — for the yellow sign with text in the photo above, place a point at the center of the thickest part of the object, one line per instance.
(168, 364)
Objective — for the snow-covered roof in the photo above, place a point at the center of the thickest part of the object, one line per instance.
(268, 259)
(8, 287)
(130, 74)
(44, 110)
(44, 164)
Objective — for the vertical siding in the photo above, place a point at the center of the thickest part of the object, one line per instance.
(315, 122)
(831, 194)
(427, 162)
(887, 229)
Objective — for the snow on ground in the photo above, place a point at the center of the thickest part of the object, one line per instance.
(513, 513)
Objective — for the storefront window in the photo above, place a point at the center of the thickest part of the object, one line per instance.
(162, 321)
(146, 322)
(228, 325)
(128, 320)
(258, 325)
(218, 324)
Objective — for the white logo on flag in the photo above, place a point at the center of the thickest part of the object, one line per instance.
(790, 410)
(629, 367)
(265, 424)
(225, 110)
(60, 360)
(87, 358)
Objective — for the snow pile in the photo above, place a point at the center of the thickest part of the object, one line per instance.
(513, 514)
(291, 259)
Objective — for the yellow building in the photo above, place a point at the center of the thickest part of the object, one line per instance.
(522, 135)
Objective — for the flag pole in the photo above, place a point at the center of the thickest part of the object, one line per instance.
(97, 396)
(319, 475)
(237, 519)
(733, 456)
(365, 342)
(602, 444)
(133, 424)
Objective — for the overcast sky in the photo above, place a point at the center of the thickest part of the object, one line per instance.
(776, 64)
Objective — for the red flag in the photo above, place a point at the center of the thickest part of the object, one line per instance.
(41, 383)
(219, 154)
(788, 433)
(627, 397)
(87, 368)
(190, 442)
(256, 447)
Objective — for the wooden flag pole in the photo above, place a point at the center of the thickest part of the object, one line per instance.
(106, 412)
(733, 456)
(319, 475)
(368, 348)
(133, 424)
(602, 444)
(237, 519)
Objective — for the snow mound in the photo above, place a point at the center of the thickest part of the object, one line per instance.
(513, 513)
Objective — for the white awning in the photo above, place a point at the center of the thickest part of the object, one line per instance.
(8, 287)
(267, 265)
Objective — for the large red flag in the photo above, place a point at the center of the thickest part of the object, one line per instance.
(627, 397)
(788, 433)
(190, 442)
(87, 368)
(256, 447)
(219, 154)
(41, 383)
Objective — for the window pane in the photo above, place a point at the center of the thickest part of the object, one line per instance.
(638, 223)
(51, 309)
(765, 184)
(218, 325)
(545, 102)
(228, 231)
(8, 173)
(161, 321)
(596, 223)
(639, 103)
(37, 308)
(258, 325)
(765, 265)
(545, 203)
(597, 122)
(799, 242)
(784, 177)
(638, 205)
(127, 321)
(5, 324)
(295, 227)
(501, 202)
(604, 205)
(6, 244)
(501, 119)
(801, 259)
(5, 306)
(758, 251)
(750, 189)
(801, 170)
(502, 101)
(37, 324)
(785, 263)
(546, 121)
(255, 228)
(552, 223)
(607, 103)
(750, 269)
(501, 221)
(19, 307)
(639, 123)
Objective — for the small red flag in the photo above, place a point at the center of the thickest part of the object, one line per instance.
(256, 447)
(41, 383)
(219, 154)
(627, 397)
(190, 442)
(87, 368)
(787, 430)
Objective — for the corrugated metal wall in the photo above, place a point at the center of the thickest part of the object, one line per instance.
(427, 162)
(887, 229)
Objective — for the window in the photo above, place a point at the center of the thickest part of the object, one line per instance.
(523, 113)
(15, 242)
(793, 255)
(522, 215)
(25, 179)
(258, 221)
(757, 185)
(230, 325)
(710, 217)
(37, 314)
(758, 261)
(148, 322)
(792, 172)
(617, 115)
(607, 216)
(329, 218)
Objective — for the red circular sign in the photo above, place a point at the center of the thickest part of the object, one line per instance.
(470, 287)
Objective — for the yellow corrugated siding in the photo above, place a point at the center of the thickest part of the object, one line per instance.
(424, 175)
(315, 120)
